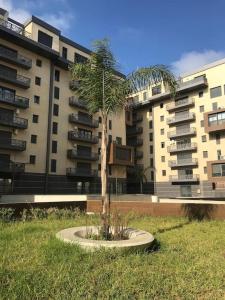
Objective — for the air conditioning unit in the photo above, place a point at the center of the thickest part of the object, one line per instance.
(17, 111)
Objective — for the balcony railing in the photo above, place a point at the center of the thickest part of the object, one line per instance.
(138, 154)
(11, 167)
(79, 154)
(12, 144)
(73, 101)
(134, 130)
(183, 162)
(18, 59)
(180, 103)
(137, 118)
(13, 77)
(80, 136)
(184, 178)
(17, 101)
(14, 122)
(136, 168)
(81, 172)
(18, 29)
(74, 85)
(87, 121)
(180, 118)
(135, 143)
(182, 147)
(181, 133)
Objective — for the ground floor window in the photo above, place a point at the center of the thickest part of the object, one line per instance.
(185, 191)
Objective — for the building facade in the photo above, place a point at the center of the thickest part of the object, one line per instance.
(182, 140)
(48, 141)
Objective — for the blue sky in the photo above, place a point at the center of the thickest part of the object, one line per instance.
(178, 33)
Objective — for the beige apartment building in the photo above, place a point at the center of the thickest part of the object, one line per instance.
(182, 140)
(48, 141)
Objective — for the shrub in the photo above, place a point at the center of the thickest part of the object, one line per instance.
(7, 214)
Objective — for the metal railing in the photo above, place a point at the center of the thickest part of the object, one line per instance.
(81, 172)
(12, 144)
(138, 154)
(18, 101)
(79, 154)
(11, 167)
(73, 101)
(137, 118)
(76, 135)
(182, 147)
(184, 178)
(183, 162)
(15, 28)
(135, 143)
(180, 103)
(136, 130)
(15, 78)
(13, 121)
(178, 133)
(15, 57)
(88, 121)
(183, 117)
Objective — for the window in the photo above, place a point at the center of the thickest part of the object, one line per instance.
(110, 124)
(202, 123)
(151, 162)
(57, 75)
(205, 154)
(145, 96)
(214, 106)
(44, 39)
(110, 170)
(156, 90)
(35, 118)
(99, 167)
(150, 124)
(161, 118)
(219, 154)
(201, 108)
(33, 139)
(162, 145)
(55, 110)
(36, 99)
(64, 52)
(150, 109)
(136, 98)
(215, 92)
(163, 172)
(56, 92)
(162, 131)
(99, 151)
(99, 135)
(100, 120)
(200, 94)
(37, 80)
(110, 138)
(80, 59)
(151, 136)
(161, 105)
(151, 149)
(205, 170)
(38, 63)
(152, 175)
(54, 146)
(54, 128)
(204, 138)
(32, 159)
(216, 119)
(119, 140)
(163, 159)
(217, 138)
(218, 170)
(53, 165)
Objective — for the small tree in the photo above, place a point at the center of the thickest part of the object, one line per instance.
(105, 91)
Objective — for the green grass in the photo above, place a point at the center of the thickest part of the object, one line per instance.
(190, 263)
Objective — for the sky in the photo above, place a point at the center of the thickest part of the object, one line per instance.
(183, 35)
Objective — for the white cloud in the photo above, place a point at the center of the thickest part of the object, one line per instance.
(192, 60)
(61, 20)
(19, 14)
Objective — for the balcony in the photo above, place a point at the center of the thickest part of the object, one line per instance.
(75, 102)
(14, 122)
(136, 168)
(120, 155)
(184, 178)
(182, 133)
(134, 130)
(79, 154)
(137, 118)
(74, 85)
(14, 57)
(18, 29)
(181, 118)
(81, 172)
(182, 147)
(187, 102)
(185, 162)
(83, 120)
(138, 155)
(214, 121)
(14, 78)
(80, 136)
(135, 143)
(12, 144)
(17, 101)
(11, 167)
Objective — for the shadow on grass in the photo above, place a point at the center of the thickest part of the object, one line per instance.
(198, 212)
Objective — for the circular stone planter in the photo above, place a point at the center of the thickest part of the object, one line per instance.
(138, 239)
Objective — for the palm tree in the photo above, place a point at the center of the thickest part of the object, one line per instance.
(105, 90)
(140, 174)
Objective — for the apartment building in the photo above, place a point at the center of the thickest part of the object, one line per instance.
(48, 141)
(182, 140)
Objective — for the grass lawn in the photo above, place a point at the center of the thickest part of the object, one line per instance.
(190, 263)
